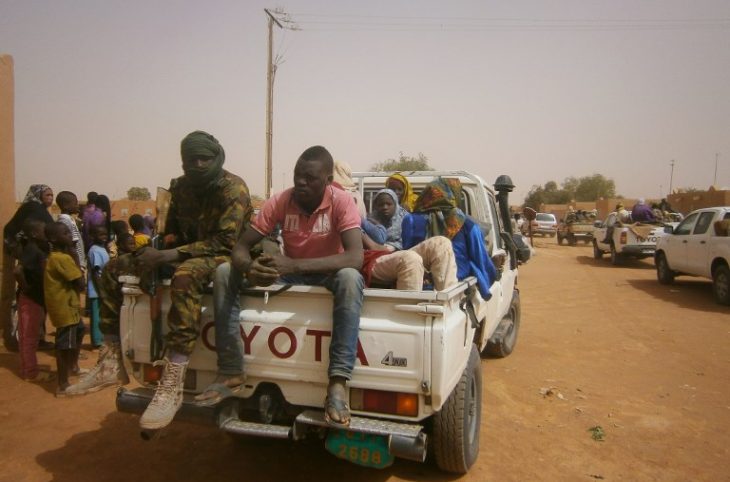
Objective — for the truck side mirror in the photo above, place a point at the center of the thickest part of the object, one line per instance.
(598, 224)
(668, 229)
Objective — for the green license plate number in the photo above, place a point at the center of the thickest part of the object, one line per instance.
(359, 448)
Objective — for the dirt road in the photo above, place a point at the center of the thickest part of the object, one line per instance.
(599, 346)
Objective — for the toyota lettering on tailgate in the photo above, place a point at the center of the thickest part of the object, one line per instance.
(279, 333)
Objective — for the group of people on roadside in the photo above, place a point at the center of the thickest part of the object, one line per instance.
(56, 261)
(326, 238)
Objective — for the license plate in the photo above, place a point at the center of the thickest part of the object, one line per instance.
(359, 448)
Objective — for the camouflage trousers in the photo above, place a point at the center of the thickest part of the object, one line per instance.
(189, 282)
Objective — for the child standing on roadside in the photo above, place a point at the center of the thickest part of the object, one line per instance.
(68, 203)
(62, 283)
(125, 244)
(31, 306)
(98, 258)
(136, 222)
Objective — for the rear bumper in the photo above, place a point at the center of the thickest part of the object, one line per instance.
(638, 251)
(405, 440)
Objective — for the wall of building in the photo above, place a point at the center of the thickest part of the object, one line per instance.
(687, 202)
(7, 140)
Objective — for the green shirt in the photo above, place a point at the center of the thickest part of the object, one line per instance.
(62, 299)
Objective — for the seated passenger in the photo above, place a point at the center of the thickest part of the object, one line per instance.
(402, 188)
(320, 229)
(437, 214)
(386, 262)
(641, 213)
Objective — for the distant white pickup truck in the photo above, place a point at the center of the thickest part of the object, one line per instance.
(625, 240)
(698, 246)
(418, 379)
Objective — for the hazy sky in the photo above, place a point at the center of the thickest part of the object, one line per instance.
(534, 89)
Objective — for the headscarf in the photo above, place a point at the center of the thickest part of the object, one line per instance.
(392, 225)
(201, 144)
(409, 197)
(440, 199)
(35, 193)
(342, 175)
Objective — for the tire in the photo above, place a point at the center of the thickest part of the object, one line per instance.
(456, 425)
(506, 344)
(664, 273)
(615, 257)
(571, 240)
(597, 253)
(560, 239)
(721, 284)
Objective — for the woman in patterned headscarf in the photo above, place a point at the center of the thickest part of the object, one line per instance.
(400, 185)
(35, 206)
(438, 213)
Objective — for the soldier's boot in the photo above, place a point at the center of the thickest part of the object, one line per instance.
(108, 371)
(168, 396)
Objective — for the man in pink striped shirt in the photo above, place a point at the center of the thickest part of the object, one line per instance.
(322, 244)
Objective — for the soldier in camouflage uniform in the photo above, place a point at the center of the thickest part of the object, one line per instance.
(207, 211)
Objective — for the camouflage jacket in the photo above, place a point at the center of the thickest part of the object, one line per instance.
(208, 223)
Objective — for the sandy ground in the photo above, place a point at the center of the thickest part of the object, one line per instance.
(647, 363)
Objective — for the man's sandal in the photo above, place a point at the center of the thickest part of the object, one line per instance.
(219, 391)
(341, 407)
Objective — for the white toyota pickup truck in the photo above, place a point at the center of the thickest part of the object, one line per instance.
(698, 246)
(623, 241)
(417, 383)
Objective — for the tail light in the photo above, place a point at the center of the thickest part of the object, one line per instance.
(380, 401)
(622, 238)
(151, 373)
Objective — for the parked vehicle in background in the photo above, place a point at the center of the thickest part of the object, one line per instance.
(698, 246)
(623, 241)
(544, 224)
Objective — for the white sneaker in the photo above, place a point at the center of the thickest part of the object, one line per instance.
(168, 396)
(107, 372)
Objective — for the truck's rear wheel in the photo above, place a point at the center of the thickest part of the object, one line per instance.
(615, 257)
(508, 327)
(571, 240)
(597, 253)
(456, 425)
(721, 284)
(560, 239)
(664, 273)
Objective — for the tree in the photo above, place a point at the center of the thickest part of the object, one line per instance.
(404, 163)
(587, 188)
(592, 188)
(139, 194)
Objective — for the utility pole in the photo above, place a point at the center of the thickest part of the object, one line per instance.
(270, 72)
(671, 176)
(714, 180)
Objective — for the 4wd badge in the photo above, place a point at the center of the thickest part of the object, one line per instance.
(394, 361)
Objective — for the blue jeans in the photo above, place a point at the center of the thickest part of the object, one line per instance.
(347, 287)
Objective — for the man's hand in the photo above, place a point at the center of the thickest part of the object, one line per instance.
(150, 258)
(261, 272)
(283, 264)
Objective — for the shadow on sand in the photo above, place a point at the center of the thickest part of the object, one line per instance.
(605, 262)
(192, 452)
(693, 293)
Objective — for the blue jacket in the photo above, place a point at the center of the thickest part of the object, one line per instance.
(472, 258)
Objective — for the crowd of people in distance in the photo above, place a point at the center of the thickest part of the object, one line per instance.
(641, 212)
(326, 237)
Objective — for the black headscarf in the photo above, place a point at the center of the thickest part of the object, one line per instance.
(197, 145)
